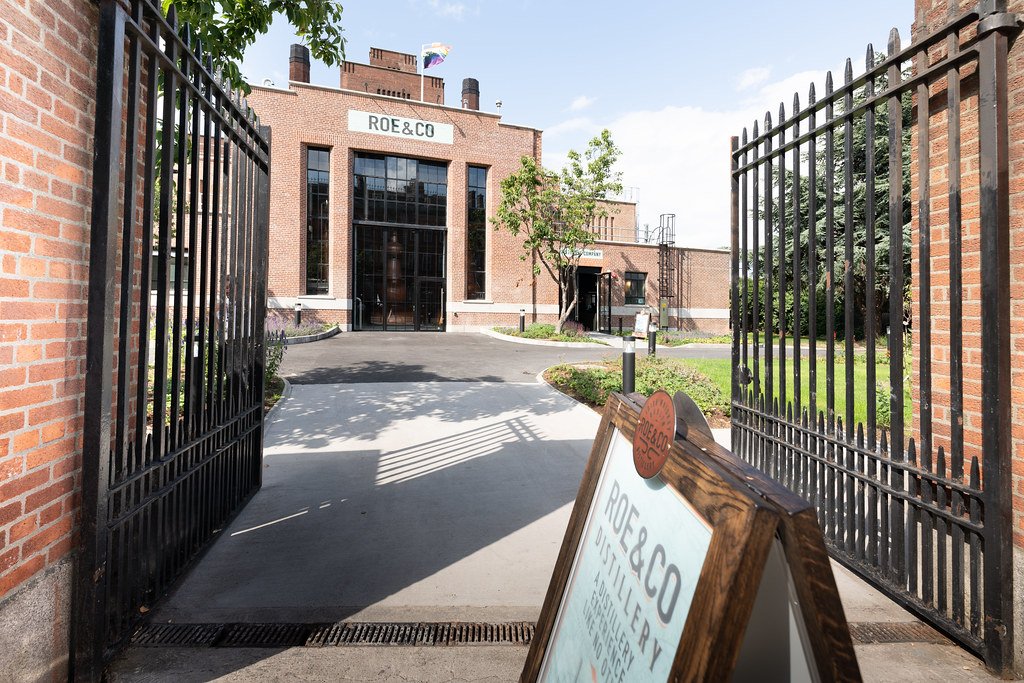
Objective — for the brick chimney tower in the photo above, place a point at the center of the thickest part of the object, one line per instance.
(471, 94)
(298, 64)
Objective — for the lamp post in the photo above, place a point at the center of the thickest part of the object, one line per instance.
(298, 314)
(628, 364)
(652, 339)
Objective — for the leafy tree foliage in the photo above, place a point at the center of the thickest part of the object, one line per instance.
(858, 193)
(226, 28)
(555, 211)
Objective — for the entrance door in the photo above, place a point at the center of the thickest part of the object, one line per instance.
(399, 279)
(586, 306)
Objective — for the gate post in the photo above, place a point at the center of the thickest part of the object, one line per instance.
(995, 332)
(89, 602)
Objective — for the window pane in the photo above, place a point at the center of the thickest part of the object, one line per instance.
(476, 233)
(317, 219)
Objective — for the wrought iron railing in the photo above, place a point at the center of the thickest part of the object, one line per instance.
(174, 385)
(912, 486)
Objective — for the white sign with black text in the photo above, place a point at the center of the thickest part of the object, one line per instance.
(400, 127)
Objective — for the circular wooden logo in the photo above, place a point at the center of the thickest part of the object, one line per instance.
(655, 432)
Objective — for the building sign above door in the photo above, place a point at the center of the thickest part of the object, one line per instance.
(400, 127)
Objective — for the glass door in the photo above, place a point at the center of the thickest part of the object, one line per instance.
(399, 279)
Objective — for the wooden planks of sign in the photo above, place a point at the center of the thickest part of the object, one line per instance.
(706, 571)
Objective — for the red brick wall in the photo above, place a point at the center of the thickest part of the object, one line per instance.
(47, 88)
(380, 81)
(930, 15)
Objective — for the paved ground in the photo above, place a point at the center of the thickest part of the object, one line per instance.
(439, 357)
(399, 502)
(421, 498)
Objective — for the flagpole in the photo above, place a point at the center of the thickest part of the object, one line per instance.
(422, 69)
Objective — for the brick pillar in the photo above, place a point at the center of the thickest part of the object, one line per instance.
(929, 16)
(47, 93)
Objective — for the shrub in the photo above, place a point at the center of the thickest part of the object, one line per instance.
(593, 384)
(538, 331)
(276, 347)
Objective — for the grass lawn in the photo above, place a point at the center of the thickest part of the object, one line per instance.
(720, 372)
(546, 332)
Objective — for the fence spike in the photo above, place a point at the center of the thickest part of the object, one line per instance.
(803, 418)
(796, 103)
(912, 451)
(940, 462)
(172, 17)
(755, 129)
(811, 96)
(860, 432)
(767, 122)
(848, 72)
(828, 85)
(884, 442)
(869, 58)
(894, 43)
(743, 138)
(975, 474)
(782, 112)
(186, 35)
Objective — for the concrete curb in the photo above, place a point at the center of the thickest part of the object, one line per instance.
(274, 408)
(541, 342)
(290, 341)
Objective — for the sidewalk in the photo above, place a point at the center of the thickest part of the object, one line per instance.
(421, 502)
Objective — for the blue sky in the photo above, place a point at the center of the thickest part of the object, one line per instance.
(671, 80)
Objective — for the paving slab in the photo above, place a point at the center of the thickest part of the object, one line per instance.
(399, 501)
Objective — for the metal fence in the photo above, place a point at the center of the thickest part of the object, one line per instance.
(177, 298)
(825, 229)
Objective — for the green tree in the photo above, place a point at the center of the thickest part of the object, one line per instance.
(227, 28)
(836, 167)
(554, 211)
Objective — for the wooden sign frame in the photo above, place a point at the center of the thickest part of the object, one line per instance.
(747, 513)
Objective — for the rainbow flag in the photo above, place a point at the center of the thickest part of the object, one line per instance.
(434, 54)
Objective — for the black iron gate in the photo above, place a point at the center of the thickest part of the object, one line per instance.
(177, 301)
(903, 447)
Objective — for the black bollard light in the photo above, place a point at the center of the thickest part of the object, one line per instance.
(522, 320)
(628, 364)
(652, 339)
(298, 314)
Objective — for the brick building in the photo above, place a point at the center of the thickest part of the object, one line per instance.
(380, 207)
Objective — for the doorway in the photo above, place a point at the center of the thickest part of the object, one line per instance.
(399, 279)
(587, 306)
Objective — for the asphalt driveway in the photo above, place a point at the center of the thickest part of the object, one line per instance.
(356, 357)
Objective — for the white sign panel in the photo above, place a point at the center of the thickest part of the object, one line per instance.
(584, 253)
(632, 581)
(400, 127)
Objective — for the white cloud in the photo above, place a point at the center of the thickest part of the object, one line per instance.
(752, 77)
(581, 102)
(570, 126)
(456, 10)
(678, 156)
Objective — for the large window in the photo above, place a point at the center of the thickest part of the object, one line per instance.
(318, 176)
(476, 234)
(400, 191)
(635, 288)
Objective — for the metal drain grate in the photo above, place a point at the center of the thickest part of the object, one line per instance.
(899, 632)
(177, 635)
(421, 634)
